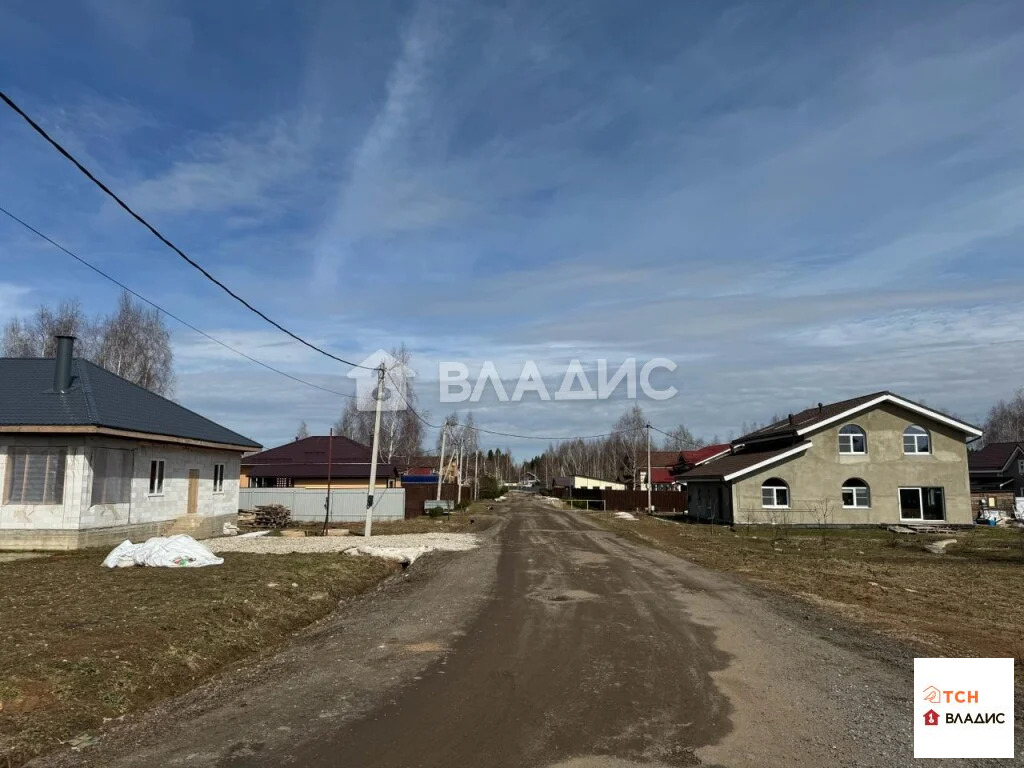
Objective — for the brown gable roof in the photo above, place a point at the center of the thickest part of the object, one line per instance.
(807, 419)
(992, 458)
(728, 465)
(312, 450)
(663, 458)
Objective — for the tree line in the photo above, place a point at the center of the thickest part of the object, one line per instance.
(133, 341)
(618, 457)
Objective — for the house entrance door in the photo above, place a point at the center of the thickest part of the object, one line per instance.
(193, 491)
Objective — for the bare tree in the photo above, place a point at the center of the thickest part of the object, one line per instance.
(133, 343)
(682, 439)
(355, 423)
(34, 337)
(136, 345)
(1005, 422)
(629, 440)
(401, 433)
(302, 432)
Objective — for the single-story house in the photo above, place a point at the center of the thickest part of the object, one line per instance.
(997, 477)
(581, 482)
(89, 459)
(303, 463)
(878, 458)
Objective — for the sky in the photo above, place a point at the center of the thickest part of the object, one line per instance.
(794, 202)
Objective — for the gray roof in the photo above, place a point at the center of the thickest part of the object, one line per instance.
(98, 398)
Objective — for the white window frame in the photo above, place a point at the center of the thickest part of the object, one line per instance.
(866, 489)
(218, 479)
(1020, 466)
(157, 468)
(775, 495)
(917, 437)
(920, 503)
(849, 440)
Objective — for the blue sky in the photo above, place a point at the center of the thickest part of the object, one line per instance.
(796, 202)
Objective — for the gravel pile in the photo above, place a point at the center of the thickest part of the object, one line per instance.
(404, 548)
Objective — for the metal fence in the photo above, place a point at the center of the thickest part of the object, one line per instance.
(348, 505)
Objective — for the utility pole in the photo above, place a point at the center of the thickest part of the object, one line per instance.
(458, 476)
(476, 474)
(327, 502)
(376, 447)
(649, 507)
(440, 462)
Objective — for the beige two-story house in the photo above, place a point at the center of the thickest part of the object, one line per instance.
(874, 459)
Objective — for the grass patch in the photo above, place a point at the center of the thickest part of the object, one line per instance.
(83, 644)
(963, 603)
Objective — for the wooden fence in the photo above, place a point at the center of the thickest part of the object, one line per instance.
(627, 501)
(417, 493)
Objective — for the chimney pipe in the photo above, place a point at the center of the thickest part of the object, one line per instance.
(791, 419)
(62, 368)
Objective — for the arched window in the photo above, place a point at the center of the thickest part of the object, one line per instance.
(774, 493)
(856, 494)
(852, 439)
(916, 440)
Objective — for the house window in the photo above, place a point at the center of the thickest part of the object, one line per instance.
(916, 440)
(774, 493)
(218, 478)
(852, 439)
(922, 504)
(111, 476)
(282, 482)
(856, 494)
(156, 477)
(35, 476)
(1020, 467)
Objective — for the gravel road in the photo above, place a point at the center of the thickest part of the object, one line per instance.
(403, 547)
(554, 644)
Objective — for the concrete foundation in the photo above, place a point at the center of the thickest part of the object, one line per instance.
(196, 526)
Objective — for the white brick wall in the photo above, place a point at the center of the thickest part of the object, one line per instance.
(76, 513)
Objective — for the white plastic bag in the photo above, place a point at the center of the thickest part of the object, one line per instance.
(179, 551)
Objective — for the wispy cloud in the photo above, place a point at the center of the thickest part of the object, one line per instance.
(795, 202)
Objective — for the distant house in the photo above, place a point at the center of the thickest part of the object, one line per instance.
(997, 477)
(304, 464)
(662, 463)
(579, 481)
(89, 459)
(423, 469)
(879, 458)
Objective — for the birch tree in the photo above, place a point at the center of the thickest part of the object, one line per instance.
(133, 342)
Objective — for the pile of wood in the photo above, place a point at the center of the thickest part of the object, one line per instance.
(272, 516)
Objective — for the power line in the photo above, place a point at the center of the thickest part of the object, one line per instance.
(269, 367)
(475, 428)
(56, 145)
(171, 315)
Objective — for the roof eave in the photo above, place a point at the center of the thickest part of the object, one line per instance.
(962, 426)
(93, 429)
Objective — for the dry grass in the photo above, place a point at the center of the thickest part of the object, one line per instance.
(964, 603)
(83, 644)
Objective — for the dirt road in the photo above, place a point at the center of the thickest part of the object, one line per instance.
(556, 644)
